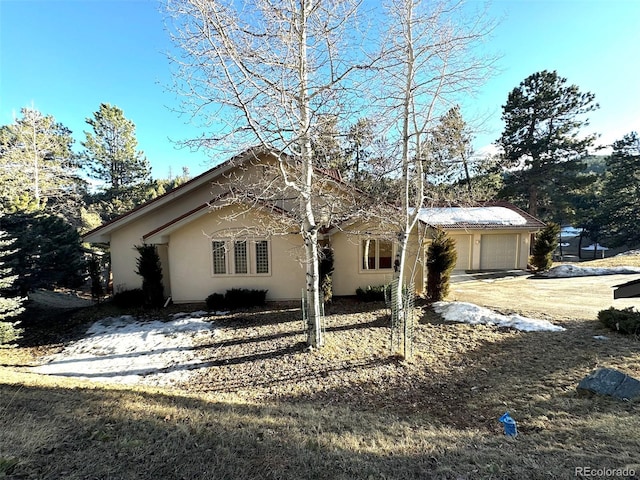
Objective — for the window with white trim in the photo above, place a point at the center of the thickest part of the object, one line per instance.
(241, 257)
(376, 254)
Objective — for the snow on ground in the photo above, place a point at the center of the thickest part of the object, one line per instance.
(568, 271)
(473, 314)
(126, 350)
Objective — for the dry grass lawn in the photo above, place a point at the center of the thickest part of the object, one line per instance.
(261, 407)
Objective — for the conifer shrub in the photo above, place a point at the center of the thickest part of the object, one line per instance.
(127, 299)
(544, 245)
(625, 321)
(237, 298)
(95, 275)
(326, 270)
(216, 301)
(441, 259)
(150, 269)
(372, 293)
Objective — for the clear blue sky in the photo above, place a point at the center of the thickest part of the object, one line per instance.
(65, 57)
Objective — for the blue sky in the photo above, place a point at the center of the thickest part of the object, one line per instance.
(65, 57)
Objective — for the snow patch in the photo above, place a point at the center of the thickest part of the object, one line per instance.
(473, 314)
(125, 350)
(569, 271)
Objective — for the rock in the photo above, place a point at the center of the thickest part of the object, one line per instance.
(606, 381)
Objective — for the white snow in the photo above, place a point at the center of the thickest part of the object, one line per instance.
(126, 350)
(473, 314)
(569, 270)
(472, 215)
(569, 231)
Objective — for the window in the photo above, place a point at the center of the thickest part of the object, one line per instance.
(241, 257)
(377, 254)
(219, 258)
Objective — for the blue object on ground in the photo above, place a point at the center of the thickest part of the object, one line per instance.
(510, 427)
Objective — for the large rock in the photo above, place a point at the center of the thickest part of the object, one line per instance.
(606, 381)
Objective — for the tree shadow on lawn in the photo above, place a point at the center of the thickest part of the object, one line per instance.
(470, 385)
(75, 433)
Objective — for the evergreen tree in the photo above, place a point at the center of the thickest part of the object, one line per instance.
(150, 269)
(441, 260)
(38, 169)
(49, 251)
(545, 244)
(10, 302)
(542, 122)
(110, 151)
(621, 192)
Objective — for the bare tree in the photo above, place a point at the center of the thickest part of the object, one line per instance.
(431, 59)
(265, 73)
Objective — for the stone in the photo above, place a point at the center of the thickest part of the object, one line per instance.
(606, 381)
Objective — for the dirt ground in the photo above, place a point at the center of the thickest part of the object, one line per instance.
(579, 298)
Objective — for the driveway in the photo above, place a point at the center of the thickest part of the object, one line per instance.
(560, 298)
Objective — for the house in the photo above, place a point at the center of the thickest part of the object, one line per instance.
(627, 290)
(212, 235)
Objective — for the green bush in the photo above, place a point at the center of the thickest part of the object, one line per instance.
(237, 298)
(216, 301)
(544, 245)
(372, 294)
(441, 260)
(149, 268)
(129, 298)
(624, 321)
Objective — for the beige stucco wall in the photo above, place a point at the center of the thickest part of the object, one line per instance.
(348, 273)
(123, 240)
(191, 262)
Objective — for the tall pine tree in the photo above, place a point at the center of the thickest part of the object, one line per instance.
(621, 192)
(543, 117)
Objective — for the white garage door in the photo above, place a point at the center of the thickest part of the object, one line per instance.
(463, 249)
(499, 252)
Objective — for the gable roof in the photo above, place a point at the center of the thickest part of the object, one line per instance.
(490, 215)
(102, 233)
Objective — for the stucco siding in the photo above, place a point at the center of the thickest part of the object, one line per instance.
(191, 262)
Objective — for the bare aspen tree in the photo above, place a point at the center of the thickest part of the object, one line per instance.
(430, 61)
(263, 73)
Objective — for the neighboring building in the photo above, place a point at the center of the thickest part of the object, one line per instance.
(627, 290)
(210, 241)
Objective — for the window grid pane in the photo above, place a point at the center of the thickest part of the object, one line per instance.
(262, 257)
(240, 256)
(219, 258)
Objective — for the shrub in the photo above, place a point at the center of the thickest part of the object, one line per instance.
(150, 269)
(544, 245)
(97, 290)
(129, 298)
(215, 301)
(441, 259)
(372, 294)
(237, 298)
(326, 270)
(626, 320)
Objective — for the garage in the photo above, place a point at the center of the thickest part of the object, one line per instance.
(499, 251)
(463, 249)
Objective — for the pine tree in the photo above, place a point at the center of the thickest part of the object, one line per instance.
(150, 269)
(110, 151)
(542, 120)
(38, 169)
(621, 192)
(545, 244)
(11, 305)
(441, 260)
